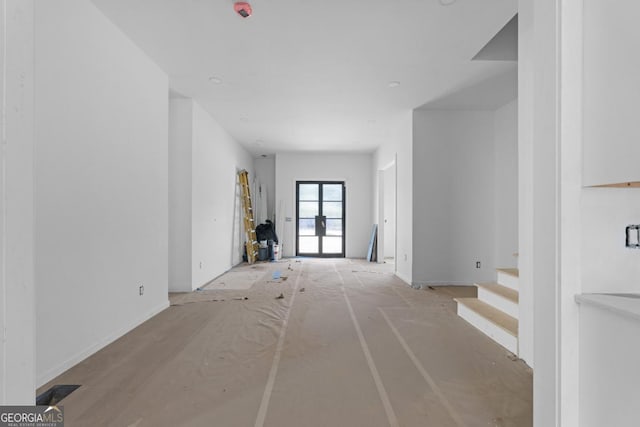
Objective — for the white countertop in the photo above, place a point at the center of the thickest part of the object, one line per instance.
(628, 306)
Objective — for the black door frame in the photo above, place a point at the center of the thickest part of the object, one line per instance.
(320, 254)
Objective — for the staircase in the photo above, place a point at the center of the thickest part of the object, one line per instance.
(495, 310)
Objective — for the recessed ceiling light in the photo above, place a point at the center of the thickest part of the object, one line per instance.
(394, 84)
(447, 2)
(215, 80)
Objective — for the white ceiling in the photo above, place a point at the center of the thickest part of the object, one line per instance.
(314, 75)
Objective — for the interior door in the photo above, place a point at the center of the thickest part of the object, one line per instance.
(320, 219)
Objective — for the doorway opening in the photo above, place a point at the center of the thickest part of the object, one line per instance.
(387, 210)
(320, 219)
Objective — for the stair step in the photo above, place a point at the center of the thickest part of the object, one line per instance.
(508, 277)
(510, 271)
(503, 291)
(494, 323)
(503, 298)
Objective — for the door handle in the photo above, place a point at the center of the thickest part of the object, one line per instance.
(321, 227)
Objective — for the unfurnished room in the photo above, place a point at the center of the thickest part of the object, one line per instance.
(304, 214)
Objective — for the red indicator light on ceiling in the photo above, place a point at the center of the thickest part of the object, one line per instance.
(243, 9)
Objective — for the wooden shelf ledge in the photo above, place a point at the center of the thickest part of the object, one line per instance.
(633, 184)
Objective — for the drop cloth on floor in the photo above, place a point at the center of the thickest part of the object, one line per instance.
(360, 348)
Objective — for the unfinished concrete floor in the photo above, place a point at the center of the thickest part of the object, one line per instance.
(349, 345)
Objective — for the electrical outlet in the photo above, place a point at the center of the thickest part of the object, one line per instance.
(200, 265)
(405, 257)
(141, 290)
(477, 264)
(633, 236)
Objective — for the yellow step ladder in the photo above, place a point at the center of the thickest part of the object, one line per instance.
(249, 222)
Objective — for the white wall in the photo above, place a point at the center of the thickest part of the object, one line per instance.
(397, 131)
(354, 169)
(603, 83)
(266, 176)
(17, 288)
(101, 184)
(506, 185)
(609, 378)
(607, 38)
(453, 164)
(206, 225)
(180, 181)
(611, 87)
(611, 147)
(607, 265)
(217, 240)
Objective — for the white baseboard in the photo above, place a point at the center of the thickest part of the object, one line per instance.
(50, 374)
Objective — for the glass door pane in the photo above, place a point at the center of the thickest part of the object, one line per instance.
(309, 245)
(332, 192)
(334, 227)
(320, 221)
(331, 245)
(309, 192)
(332, 195)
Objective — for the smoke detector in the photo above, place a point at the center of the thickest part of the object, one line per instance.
(243, 9)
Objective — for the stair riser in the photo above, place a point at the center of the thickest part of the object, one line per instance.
(494, 332)
(508, 280)
(498, 302)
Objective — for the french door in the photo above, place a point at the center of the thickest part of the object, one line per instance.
(320, 219)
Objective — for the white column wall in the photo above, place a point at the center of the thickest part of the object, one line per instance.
(550, 85)
(545, 248)
(17, 250)
(180, 194)
(571, 210)
(525, 179)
